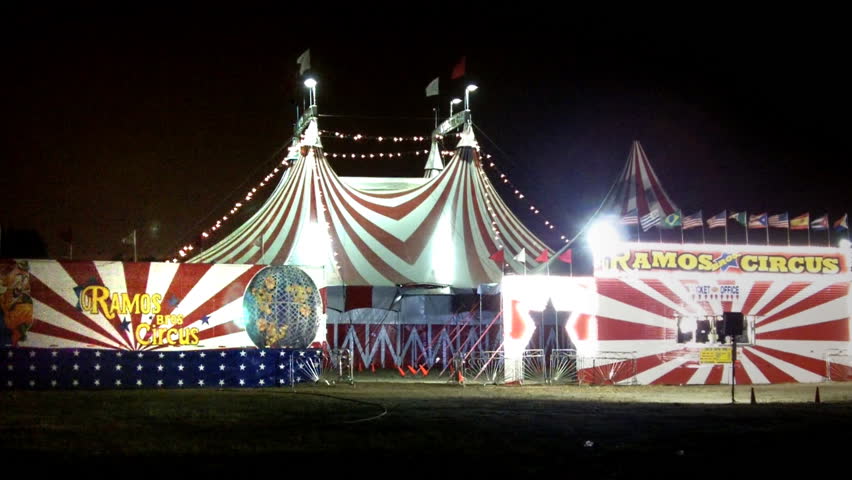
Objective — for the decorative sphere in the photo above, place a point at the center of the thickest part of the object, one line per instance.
(281, 306)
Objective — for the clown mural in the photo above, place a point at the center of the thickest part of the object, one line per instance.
(16, 305)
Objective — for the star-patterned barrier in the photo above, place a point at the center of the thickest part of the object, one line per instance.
(69, 368)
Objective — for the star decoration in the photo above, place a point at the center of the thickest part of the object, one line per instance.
(201, 367)
(205, 320)
(242, 367)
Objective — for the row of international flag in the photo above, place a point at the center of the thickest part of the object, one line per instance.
(720, 220)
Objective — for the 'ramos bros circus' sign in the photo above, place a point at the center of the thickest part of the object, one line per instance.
(163, 329)
(730, 259)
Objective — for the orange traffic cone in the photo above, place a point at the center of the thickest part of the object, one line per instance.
(412, 370)
(373, 367)
(424, 371)
(401, 371)
(753, 401)
(816, 397)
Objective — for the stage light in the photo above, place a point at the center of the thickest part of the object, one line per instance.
(603, 238)
(454, 101)
(310, 82)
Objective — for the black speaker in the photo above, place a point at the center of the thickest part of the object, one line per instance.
(733, 323)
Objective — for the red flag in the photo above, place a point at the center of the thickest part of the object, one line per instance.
(498, 256)
(543, 257)
(566, 256)
(458, 70)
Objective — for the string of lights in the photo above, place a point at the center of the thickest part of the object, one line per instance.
(503, 178)
(184, 251)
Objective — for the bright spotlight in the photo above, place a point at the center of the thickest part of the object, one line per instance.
(603, 237)
(310, 83)
(471, 88)
(456, 101)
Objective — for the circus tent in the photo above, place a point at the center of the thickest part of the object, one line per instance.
(638, 188)
(439, 230)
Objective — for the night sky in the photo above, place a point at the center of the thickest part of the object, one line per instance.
(160, 125)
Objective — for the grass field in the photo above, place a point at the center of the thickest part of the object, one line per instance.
(416, 429)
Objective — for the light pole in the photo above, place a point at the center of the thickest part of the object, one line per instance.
(454, 101)
(470, 88)
(312, 85)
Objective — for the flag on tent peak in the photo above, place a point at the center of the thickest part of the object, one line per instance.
(458, 70)
(432, 88)
(521, 256)
(543, 256)
(498, 256)
(842, 223)
(566, 256)
(304, 61)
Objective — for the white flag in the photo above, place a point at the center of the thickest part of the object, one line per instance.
(432, 88)
(304, 61)
(521, 256)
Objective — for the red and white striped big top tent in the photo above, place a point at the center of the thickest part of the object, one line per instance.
(383, 232)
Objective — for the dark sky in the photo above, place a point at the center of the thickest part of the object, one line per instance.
(116, 123)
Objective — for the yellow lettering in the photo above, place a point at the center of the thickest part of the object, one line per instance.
(140, 337)
(178, 320)
(160, 320)
(705, 262)
(796, 264)
(193, 336)
(94, 297)
(764, 263)
(830, 265)
(813, 264)
(156, 299)
(641, 261)
(620, 261)
(176, 339)
(777, 264)
(144, 303)
(664, 259)
(128, 305)
(747, 263)
(687, 261)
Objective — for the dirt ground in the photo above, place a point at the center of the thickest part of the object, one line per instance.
(424, 429)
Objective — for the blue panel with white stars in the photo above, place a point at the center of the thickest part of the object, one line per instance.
(70, 368)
